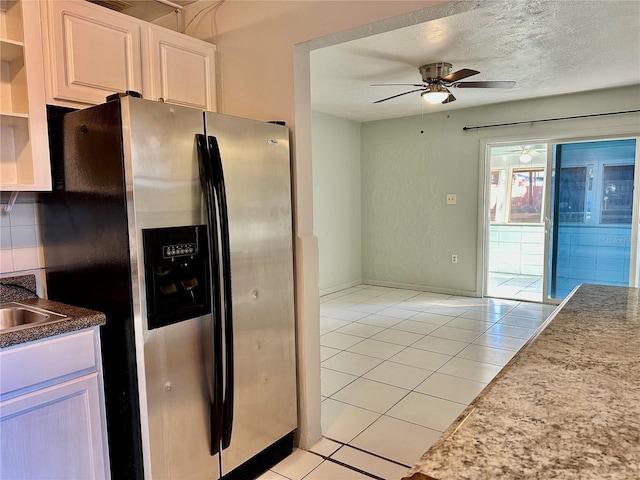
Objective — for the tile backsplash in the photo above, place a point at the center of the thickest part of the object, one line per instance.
(19, 237)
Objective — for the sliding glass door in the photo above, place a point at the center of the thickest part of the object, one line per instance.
(560, 214)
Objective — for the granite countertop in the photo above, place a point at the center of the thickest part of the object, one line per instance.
(567, 406)
(77, 318)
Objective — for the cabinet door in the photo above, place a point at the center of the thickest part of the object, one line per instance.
(182, 70)
(55, 432)
(92, 53)
(23, 123)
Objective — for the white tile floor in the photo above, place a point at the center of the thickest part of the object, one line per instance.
(520, 287)
(398, 366)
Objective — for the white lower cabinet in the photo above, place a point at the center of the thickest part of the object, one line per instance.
(54, 433)
(52, 415)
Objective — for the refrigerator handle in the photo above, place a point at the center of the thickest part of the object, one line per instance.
(218, 176)
(206, 180)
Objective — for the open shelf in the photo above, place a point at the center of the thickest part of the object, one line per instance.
(25, 157)
(12, 119)
(10, 50)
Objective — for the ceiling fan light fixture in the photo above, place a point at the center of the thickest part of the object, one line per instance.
(435, 94)
(436, 77)
(525, 156)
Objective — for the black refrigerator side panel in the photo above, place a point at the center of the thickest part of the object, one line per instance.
(86, 247)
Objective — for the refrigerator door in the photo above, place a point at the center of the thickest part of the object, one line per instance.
(256, 165)
(174, 361)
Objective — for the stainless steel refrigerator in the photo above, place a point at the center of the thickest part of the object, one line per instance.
(177, 224)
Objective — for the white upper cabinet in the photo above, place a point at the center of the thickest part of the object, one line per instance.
(182, 70)
(74, 54)
(93, 52)
(23, 123)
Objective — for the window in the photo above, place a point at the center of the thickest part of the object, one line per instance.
(526, 195)
(617, 194)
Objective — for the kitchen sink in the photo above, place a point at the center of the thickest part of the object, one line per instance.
(15, 315)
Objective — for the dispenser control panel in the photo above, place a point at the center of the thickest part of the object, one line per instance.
(172, 251)
(177, 275)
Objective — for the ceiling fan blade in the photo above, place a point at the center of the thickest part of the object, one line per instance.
(497, 84)
(399, 95)
(400, 84)
(449, 99)
(459, 75)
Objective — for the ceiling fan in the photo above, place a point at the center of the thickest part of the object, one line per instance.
(437, 79)
(526, 152)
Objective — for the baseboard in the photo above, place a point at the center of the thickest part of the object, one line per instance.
(421, 288)
(342, 286)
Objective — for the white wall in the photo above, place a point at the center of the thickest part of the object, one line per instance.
(409, 232)
(336, 199)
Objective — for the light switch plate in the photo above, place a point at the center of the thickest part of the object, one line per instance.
(451, 199)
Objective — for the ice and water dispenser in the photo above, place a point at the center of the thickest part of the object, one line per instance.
(177, 274)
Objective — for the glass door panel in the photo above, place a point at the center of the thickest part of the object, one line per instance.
(516, 236)
(591, 211)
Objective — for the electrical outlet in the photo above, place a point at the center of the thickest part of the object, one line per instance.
(451, 199)
(454, 258)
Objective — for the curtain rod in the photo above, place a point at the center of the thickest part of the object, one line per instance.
(548, 120)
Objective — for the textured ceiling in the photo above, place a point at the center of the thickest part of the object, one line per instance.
(548, 47)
